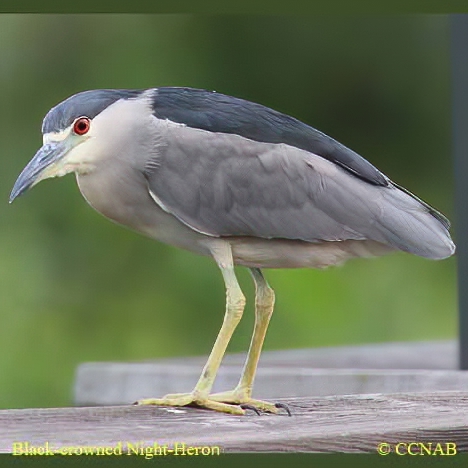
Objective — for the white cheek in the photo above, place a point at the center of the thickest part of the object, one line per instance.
(83, 154)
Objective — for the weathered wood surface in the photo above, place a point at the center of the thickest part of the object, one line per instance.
(322, 424)
(440, 354)
(378, 368)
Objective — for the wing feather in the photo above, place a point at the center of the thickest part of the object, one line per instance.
(227, 185)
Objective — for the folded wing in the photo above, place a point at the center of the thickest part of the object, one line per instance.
(227, 185)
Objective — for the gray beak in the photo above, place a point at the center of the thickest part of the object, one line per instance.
(34, 171)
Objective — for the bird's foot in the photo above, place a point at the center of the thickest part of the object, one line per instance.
(193, 399)
(242, 398)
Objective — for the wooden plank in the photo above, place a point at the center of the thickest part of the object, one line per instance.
(117, 384)
(440, 354)
(292, 373)
(325, 424)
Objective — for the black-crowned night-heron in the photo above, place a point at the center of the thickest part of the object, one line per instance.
(236, 181)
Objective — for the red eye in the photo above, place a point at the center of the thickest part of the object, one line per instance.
(81, 125)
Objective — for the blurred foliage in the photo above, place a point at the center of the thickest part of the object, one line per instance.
(74, 287)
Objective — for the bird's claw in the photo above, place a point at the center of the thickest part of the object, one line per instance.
(246, 406)
(259, 411)
(285, 407)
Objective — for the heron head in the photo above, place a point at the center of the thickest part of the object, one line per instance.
(77, 133)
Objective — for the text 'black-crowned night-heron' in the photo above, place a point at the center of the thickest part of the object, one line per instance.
(234, 180)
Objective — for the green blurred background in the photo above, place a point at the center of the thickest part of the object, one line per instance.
(74, 287)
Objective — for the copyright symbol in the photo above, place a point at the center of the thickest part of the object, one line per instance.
(384, 448)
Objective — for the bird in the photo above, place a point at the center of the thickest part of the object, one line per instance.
(236, 181)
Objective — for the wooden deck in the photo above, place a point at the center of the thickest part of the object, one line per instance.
(384, 393)
(353, 423)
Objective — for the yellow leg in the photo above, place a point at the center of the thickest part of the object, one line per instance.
(235, 302)
(264, 304)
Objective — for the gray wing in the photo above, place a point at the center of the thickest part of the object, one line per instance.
(227, 185)
(219, 113)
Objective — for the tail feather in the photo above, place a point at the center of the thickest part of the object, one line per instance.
(437, 214)
(412, 225)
